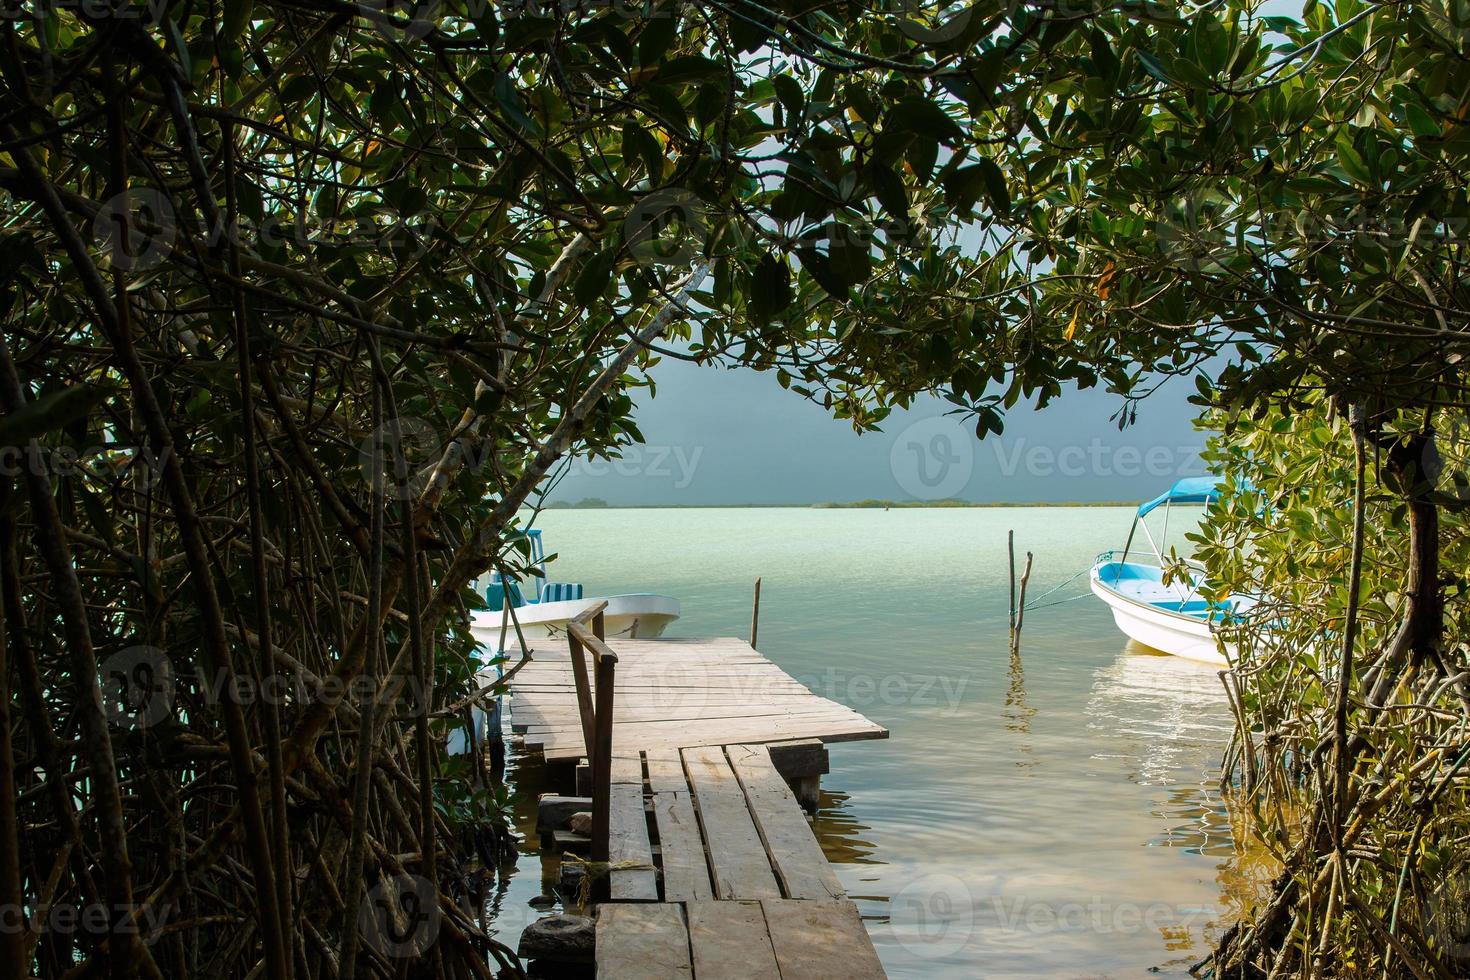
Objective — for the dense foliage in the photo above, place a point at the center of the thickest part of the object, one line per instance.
(303, 302)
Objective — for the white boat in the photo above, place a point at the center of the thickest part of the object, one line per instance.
(544, 613)
(542, 617)
(1169, 616)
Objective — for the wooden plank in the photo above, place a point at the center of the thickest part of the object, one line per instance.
(666, 772)
(627, 768)
(563, 746)
(681, 849)
(738, 862)
(728, 941)
(643, 941)
(562, 754)
(628, 844)
(801, 868)
(810, 937)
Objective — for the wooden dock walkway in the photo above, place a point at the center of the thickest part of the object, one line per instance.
(714, 872)
(678, 693)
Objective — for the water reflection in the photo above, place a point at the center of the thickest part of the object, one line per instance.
(840, 832)
(1163, 715)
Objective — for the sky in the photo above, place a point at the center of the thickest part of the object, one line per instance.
(718, 436)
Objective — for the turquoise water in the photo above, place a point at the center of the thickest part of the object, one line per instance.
(1056, 816)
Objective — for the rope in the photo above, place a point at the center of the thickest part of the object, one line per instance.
(1035, 603)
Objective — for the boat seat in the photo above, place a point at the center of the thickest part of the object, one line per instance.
(495, 595)
(561, 591)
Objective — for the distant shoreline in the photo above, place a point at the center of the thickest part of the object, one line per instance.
(850, 505)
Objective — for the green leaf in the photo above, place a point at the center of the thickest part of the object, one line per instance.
(1152, 65)
(236, 16)
(888, 188)
(691, 68)
(926, 118)
(995, 186)
(788, 90)
(658, 35)
(1351, 160)
(851, 259)
(595, 275)
(770, 288)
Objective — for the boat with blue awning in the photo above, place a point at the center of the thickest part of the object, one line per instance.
(1163, 609)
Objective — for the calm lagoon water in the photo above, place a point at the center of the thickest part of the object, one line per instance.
(1056, 816)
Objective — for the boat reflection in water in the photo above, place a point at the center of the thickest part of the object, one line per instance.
(1162, 713)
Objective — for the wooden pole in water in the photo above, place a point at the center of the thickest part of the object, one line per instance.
(1011, 550)
(755, 613)
(1020, 614)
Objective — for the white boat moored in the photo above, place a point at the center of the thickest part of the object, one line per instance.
(1169, 616)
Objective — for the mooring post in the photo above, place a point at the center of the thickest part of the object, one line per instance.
(1011, 550)
(1020, 614)
(755, 613)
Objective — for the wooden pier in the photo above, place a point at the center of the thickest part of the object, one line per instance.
(712, 868)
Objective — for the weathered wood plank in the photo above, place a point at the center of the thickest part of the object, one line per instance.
(729, 941)
(627, 768)
(738, 861)
(642, 941)
(666, 771)
(810, 937)
(628, 844)
(681, 849)
(801, 868)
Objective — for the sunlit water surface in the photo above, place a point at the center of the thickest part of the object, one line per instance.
(1055, 815)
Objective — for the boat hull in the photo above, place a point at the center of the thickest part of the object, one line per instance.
(1168, 632)
(643, 615)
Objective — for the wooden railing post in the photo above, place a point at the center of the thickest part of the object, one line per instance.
(584, 690)
(607, 663)
(576, 646)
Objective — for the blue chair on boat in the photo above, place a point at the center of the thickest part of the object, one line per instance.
(561, 591)
(499, 589)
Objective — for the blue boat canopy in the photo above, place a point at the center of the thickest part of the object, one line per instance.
(1194, 490)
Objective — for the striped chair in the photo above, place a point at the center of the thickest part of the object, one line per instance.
(560, 591)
